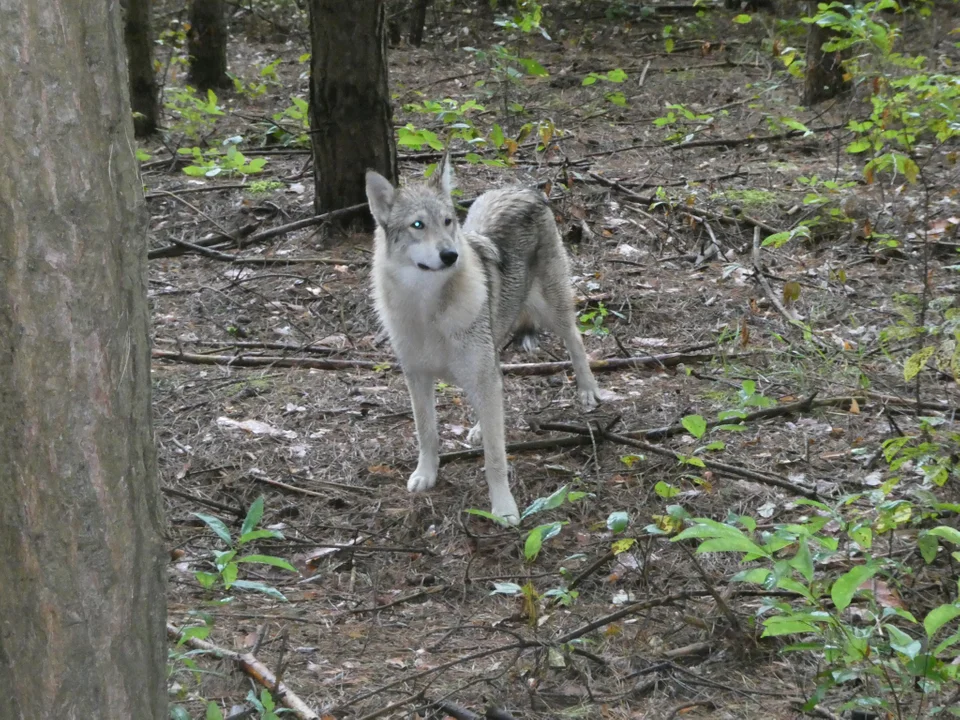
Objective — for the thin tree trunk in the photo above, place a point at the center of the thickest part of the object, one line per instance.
(350, 109)
(144, 97)
(82, 605)
(824, 77)
(418, 19)
(207, 44)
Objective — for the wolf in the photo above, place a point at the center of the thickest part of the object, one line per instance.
(451, 296)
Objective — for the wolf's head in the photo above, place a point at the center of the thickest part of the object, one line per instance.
(419, 220)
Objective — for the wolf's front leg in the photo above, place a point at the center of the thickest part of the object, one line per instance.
(486, 395)
(421, 386)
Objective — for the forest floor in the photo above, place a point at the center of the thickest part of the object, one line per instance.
(394, 609)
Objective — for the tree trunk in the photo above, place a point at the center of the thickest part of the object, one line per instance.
(349, 100)
(824, 77)
(82, 605)
(418, 18)
(207, 45)
(143, 80)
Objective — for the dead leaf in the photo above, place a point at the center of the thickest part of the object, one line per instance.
(854, 406)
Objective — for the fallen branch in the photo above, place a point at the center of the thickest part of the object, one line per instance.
(523, 369)
(718, 467)
(313, 493)
(269, 234)
(253, 668)
(733, 142)
(545, 444)
(697, 216)
(780, 410)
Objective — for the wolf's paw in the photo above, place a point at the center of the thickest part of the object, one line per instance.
(506, 507)
(475, 436)
(422, 479)
(592, 397)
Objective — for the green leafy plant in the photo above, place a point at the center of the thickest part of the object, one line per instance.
(194, 115)
(882, 654)
(680, 115)
(592, 321)
(613, 76)
(291, 126)
(214, 162)
(227, 562)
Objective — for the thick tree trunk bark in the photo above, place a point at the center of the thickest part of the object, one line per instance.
(207, 45)
(144, 97)
(349, 100)
(418, 19)
(82, 604)
(824, 76)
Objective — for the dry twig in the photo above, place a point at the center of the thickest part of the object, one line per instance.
(255, 669)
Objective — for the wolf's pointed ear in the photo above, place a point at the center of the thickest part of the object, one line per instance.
(442, 177)
(380, 194)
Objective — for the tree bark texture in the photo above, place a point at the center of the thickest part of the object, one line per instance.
(82, 605)
(207, 45)
(418, 19)
(350, 111)
(824, 75)
(144, 95)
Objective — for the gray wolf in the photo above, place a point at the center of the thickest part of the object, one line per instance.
(451, 296)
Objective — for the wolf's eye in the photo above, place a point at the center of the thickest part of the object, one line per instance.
(417, 225)
(447, 222)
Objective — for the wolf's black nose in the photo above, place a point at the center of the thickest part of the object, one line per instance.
(449, 257)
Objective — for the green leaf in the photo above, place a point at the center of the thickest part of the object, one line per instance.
(847, 584)
(506, 588)
(206, 580)
(622, 545)
(618, 521)
(267, 560)
(691, 460)
(802, 562)
(590, 79)
(940, 616)
(780, 625)
(859, 146)
(198, 631)
(756, 576)
(260, 587)
(213, 712)
(928, 547)
(665, 490)
(668, 45)
(537, 536)
(229, 574)
(489, 516)
(916, 362)
(617, 98)
(777, 239)
(903, 643)
(556, 499)
(616, 76)
(742, 19)
(947, 533)
(217, 525)
(259, 535)
(178, 712)
(496, 136)
(695, 425)
(254, 515)
(731, 544)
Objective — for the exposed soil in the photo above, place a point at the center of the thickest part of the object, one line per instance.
(393, 586)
